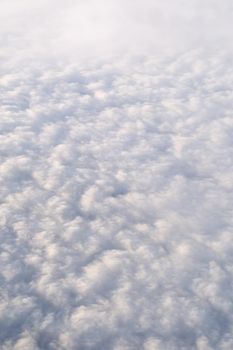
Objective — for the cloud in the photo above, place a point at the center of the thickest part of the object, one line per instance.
(116, 175)
(116, 196)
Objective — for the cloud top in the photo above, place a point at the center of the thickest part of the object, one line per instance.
(116, 205)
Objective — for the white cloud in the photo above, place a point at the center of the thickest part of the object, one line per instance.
(116, 204)
(116, 175)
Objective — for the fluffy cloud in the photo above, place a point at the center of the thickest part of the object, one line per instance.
(116, 204)
(116, 175)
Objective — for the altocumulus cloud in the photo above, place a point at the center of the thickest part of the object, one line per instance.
(116, 205)
(116, 183)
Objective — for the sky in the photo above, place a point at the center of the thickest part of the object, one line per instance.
(109, 27)
(116, 183)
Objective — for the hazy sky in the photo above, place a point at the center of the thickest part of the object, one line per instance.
(76, 27)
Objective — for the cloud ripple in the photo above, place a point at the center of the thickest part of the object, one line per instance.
(116, 205)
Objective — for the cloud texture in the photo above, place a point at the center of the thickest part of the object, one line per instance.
(116, 205)
(116, 183)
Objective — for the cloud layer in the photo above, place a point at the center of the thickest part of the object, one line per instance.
(116, 175)
(116, 204)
